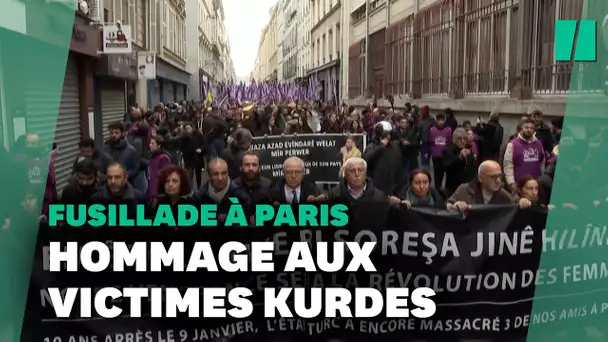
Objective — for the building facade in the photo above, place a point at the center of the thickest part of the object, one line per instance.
(35, 72)
(326, 47)
(194, 33)
(304, 24)
(290, 40)
(470, 56)
(280, 37)
(265, 66)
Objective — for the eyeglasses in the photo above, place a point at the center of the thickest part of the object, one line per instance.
(493, 176)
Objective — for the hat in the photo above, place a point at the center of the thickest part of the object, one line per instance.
(247, 106)
(292, 105)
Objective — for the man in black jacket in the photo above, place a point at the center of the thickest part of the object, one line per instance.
(459, 161)
(252, 182)
(409, 140)
(84, 185)
(490, 137)
(384, 159)
(355, 187)
(219, 189)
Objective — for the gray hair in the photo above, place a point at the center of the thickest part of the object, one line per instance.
(354, 160)
(295, 160)
(458, 133)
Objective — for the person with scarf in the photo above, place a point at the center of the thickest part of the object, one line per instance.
(220, 189)
(419, 192)
(159, 159)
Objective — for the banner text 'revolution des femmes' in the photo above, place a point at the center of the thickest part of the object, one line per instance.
(118, 215)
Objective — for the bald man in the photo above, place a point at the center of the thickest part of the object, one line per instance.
(486, 189)
(220, 188)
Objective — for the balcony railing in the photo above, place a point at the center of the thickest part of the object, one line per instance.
(476, 47)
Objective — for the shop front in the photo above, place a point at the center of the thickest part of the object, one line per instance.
(76, 96)
(204, 82)
(115, 78)
(172, 83)
(329, 77)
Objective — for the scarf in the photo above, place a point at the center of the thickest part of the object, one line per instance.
(218, 196)
(417, 201)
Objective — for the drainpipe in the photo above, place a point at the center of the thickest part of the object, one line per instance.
(388, 13)
(366, 61)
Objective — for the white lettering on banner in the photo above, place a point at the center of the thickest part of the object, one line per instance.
(293, 144)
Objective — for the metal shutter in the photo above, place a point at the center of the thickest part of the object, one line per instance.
(168, 94)
(155, 94)
(112, 105)
(66, 130)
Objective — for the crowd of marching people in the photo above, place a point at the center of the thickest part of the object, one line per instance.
(196, 152)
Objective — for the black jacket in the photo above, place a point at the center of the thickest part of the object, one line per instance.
(410, 134)
(233, 156)
(130, 196)
(189, 144)
(340, 194)
(258, 192)
(384, 165)
(439, 202)
(307, 188)
(457, 170)
(490, 139)
(73, 194)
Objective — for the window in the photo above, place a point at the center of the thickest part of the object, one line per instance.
(165, 20)
(330, 42)
(338, 40)
(140, 23)
(318, 52)
(358, 14)
(171, 40)
(125, 12)
(153, 29)
(323, 49)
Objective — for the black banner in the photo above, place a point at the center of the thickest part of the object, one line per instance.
(482, 267)
(320, 152)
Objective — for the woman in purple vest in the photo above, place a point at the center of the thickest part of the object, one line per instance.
(524, 155)
(439, 137)
(158, 160)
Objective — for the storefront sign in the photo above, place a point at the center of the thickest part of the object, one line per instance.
(120, 66)
(85, 38)
(117, 39)
(146, 65)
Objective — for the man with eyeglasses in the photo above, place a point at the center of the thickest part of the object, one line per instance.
(485, 189)
(294, 188)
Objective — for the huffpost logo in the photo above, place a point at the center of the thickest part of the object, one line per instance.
(576, 36)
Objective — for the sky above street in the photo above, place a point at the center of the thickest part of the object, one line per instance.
(244, 22)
